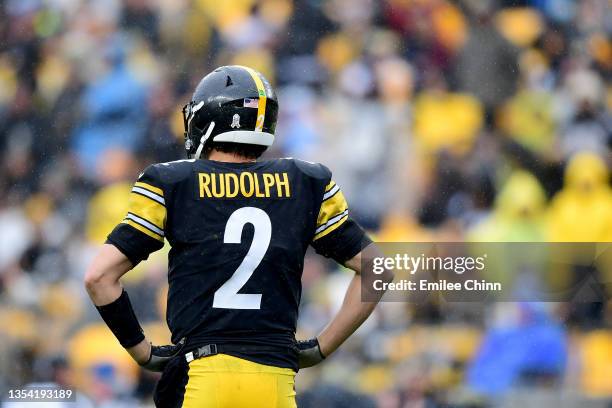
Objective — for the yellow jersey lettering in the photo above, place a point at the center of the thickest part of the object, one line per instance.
(243, 190)
(204, 179)
(258, 193)
(218, 188)
(244, 185)
(284, 183)
(231, 191)
(268, 180)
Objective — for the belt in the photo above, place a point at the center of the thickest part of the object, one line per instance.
(212, 349)
(205, 351)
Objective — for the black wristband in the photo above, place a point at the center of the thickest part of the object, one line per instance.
(120, 318)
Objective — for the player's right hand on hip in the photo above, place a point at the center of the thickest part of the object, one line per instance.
(309, 353)
(161, 355)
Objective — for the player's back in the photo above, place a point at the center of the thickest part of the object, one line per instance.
(238, 232)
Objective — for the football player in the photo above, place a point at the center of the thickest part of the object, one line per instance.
(239, 229)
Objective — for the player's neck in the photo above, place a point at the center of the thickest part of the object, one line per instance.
(228, 157)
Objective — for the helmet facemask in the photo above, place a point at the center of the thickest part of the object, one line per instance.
(193, 134)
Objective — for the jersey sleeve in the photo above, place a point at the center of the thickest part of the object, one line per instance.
(337, 236)
(142, 230)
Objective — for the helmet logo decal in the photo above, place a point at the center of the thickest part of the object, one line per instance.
(235, 121)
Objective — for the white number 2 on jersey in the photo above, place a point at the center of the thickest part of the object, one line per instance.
(227, 296)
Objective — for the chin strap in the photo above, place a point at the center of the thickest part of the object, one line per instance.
(203, 140)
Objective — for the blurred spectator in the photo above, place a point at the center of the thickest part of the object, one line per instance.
(441, 120)
(582, 211)
(518, 214)
(487, 66)
(530, 349)
(589, 127)
(463, 116)
(114, 111)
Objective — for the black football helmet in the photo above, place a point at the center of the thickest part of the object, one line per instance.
(231, 104)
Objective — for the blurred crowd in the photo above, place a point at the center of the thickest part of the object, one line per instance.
(479, 120)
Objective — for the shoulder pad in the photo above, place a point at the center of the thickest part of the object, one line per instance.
(311, 169)
(174, 171)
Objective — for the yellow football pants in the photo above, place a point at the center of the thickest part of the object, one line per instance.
(223, 381)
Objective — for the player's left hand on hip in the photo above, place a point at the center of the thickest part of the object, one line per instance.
(309, 353)
(161, 355)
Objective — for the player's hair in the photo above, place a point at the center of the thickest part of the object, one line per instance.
(248, 151)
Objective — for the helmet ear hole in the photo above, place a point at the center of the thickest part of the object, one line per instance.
(229, 82)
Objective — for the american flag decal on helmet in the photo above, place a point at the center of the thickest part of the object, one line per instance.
(250, 103)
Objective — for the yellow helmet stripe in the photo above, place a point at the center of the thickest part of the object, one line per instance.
(261, 104)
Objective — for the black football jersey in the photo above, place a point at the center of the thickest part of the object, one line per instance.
(238, 234)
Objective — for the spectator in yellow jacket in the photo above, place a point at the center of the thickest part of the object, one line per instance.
(582, 210)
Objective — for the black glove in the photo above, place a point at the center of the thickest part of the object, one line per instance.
(161, 355)
(309, 353)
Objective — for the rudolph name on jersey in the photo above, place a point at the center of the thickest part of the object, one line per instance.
(244, 185)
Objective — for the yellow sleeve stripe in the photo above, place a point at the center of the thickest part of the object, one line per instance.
(329, 186)
(149, 194)
(149, 187)
(148, 209)
(331, 206)
(331, 193)
(262, 100)
(333, 212)
(332, 225)
(143, 230)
